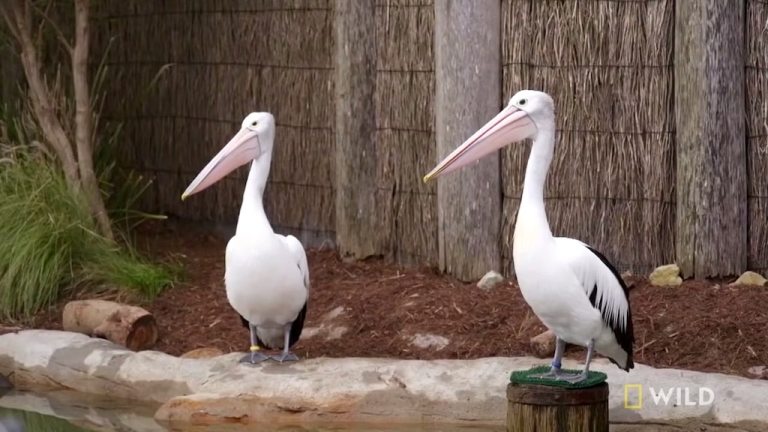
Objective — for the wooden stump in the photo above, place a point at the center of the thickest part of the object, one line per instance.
(539, 408)
(129, 326)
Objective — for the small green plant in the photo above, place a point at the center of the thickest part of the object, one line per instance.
(123, 267)
(49, 241)
(41, 230)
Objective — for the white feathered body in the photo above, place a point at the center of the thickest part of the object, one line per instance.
(556, 278)
(267, 282)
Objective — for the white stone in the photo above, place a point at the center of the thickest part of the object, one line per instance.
(327, 329)
(427, 341)
(350, 389)
(335, 332)
(334, 313)
(490, 280)
(759, 371)
(666, 275)
(749, 278)
(327, 332)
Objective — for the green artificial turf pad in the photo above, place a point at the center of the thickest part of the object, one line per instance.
(524, 377)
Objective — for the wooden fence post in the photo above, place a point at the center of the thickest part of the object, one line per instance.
(542, 408)
(711, 222)
(359, 221)
(468, 94)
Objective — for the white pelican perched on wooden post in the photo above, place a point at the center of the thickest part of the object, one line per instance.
(266, 276)
(570, 286)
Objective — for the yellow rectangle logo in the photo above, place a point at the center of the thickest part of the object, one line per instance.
(637, 388)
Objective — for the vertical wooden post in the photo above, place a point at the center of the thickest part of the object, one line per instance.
(711, 237)
(553, 409)
(359, 233)
(468, 94)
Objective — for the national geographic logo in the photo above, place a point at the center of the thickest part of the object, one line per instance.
(633, 396)
(676, 396)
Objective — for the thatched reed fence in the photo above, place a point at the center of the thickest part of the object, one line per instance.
(756, 96)
(353, 85)
(609, 67)
(226, 59)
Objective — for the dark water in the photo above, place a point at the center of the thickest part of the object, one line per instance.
(70, 412)
(74, 412)
(20, 421)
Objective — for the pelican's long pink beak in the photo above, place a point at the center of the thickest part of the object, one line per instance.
(241, 149)
(510, 125)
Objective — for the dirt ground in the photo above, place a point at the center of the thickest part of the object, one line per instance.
(375, 309)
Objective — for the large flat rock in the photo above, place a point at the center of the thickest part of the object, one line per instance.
(351, 389)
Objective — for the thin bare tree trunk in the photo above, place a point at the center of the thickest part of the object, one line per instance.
(18, 17)
(84, 119)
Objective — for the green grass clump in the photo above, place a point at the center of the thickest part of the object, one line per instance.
(125, 268)
(49, 242)
(42, 230)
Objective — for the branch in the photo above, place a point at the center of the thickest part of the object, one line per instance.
(84, 119)
(59, 34)
(39, 93)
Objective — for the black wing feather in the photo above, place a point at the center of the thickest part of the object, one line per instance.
(297, 326)
(624, 336)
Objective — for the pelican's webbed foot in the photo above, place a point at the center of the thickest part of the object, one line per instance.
(254, 357)
(285, 357)
(579, 377)
(573, 378)
(558, 375)
(554, 374)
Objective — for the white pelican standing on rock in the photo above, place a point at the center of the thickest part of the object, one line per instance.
(570, 286)
(266, 276)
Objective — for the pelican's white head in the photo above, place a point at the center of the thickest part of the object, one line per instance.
(527, 113)
(255, 139)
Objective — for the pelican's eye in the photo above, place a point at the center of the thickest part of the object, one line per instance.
(254, 123)
(522, 102)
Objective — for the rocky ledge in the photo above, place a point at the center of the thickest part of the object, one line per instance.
(218, 389)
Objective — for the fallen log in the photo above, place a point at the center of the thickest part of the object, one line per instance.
(130, 326)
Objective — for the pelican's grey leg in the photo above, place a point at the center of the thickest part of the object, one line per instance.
(287, 355)
(574, 378)
(554, 371)
(255, 356)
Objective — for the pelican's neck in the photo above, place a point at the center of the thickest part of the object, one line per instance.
(253, 219)
(532, 222)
